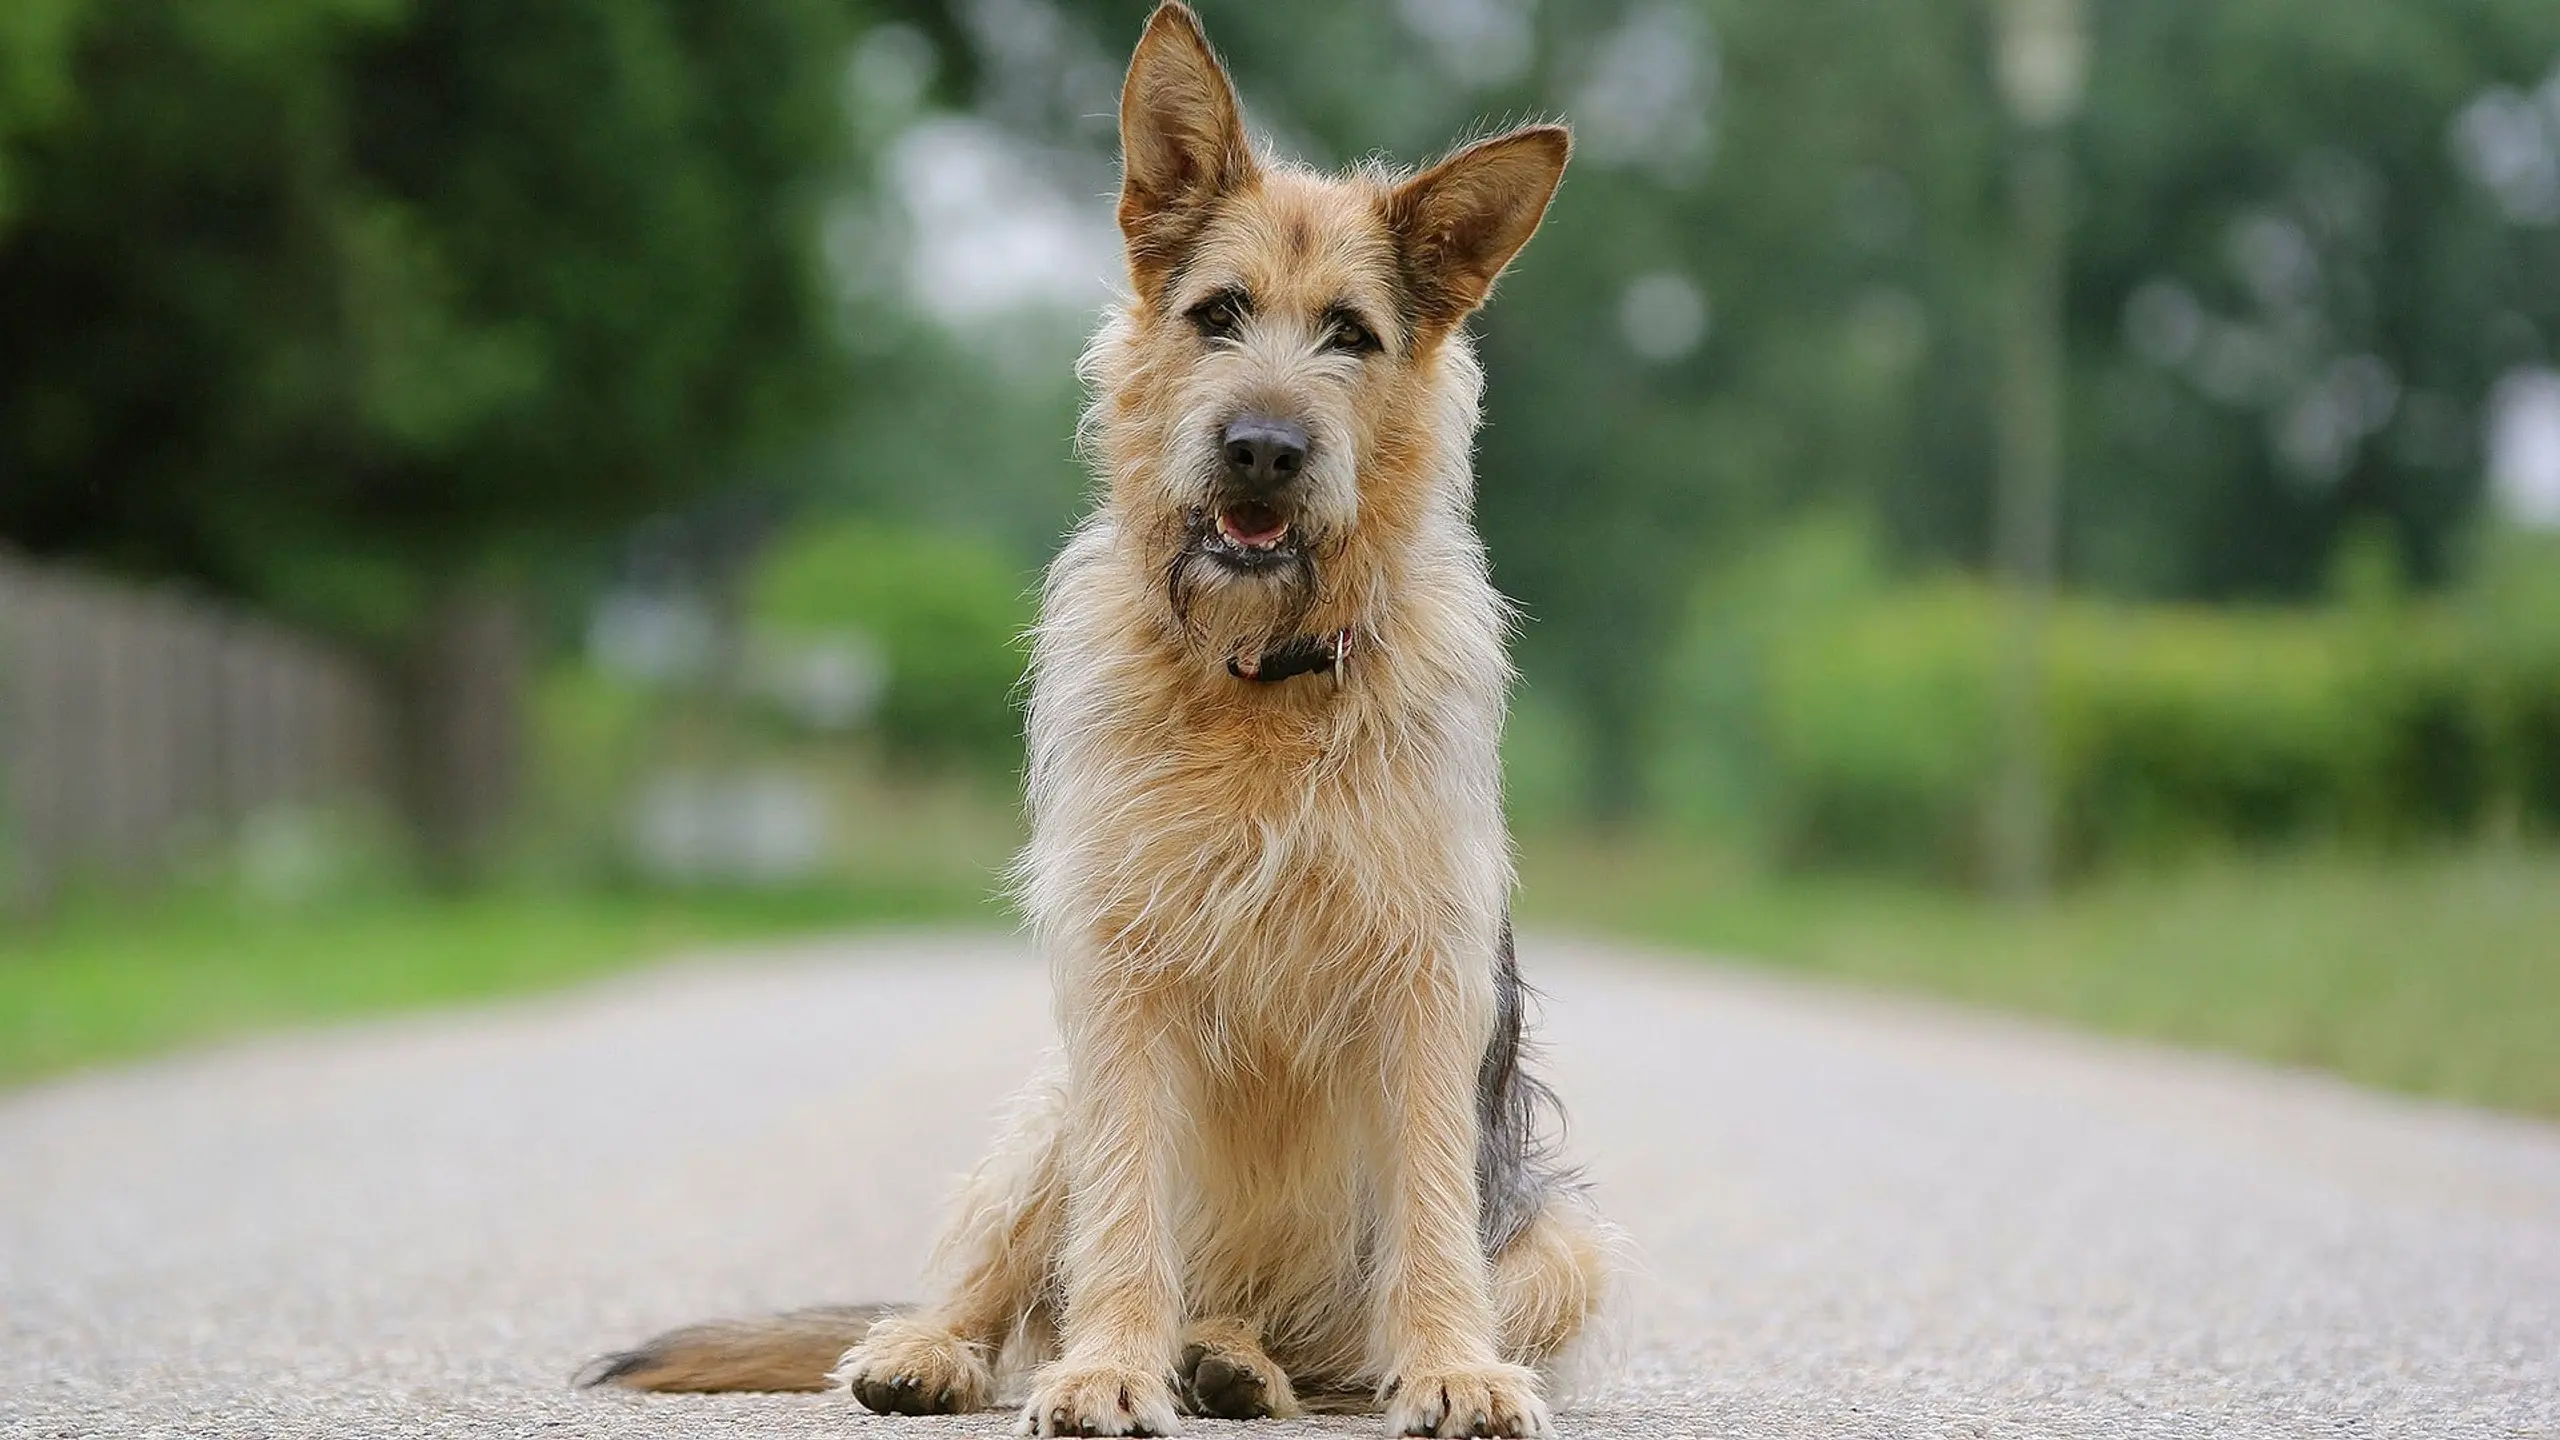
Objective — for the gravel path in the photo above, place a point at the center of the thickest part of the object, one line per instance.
(1859, 1217)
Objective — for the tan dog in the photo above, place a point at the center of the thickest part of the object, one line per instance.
(1288, 1152)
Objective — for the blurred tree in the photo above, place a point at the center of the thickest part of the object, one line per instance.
(1828, 218)
(356, 306)
(2294, 285)
(35, 79)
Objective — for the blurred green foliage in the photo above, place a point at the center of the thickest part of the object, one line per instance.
(946, 612)
(35, 79)
(330, 302)
(593, 739)
(2513, 606)
(1839, 717)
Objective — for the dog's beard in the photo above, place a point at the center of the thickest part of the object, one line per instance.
(1227, 609)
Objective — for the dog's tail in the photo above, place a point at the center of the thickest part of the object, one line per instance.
(792, 1351)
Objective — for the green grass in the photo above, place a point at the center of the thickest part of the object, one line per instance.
(100, 983)
(2437, 975)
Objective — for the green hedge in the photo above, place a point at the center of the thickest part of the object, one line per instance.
(1846, 721)
(947, 613)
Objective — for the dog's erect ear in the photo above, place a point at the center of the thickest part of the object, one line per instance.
(1463, 219)
(1182, 140)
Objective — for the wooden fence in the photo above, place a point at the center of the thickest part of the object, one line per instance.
(140, 725)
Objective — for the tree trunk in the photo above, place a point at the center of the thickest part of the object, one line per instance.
(463, 730)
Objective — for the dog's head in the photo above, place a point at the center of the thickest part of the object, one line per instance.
(1276, 396)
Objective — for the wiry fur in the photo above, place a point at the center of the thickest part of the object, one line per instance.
(1289, 1149)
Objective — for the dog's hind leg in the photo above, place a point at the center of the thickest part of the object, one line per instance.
(1226, 1374)
(940, 1358)
(1550, 1279)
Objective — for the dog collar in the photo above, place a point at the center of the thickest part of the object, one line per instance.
(1305, 655)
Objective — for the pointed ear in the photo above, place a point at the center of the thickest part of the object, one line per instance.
(1462, 220)
(1182, 140)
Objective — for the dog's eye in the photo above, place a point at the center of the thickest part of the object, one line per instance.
(1218, 318)
(1350, 336)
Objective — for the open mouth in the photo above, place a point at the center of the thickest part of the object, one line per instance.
(1253, 526)
(1246, 535)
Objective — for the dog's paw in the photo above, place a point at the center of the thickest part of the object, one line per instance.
(1227, 1378)
(1099, 1400)
(911, 1367)
(1468, 1400)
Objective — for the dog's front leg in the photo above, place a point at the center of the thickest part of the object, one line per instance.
(1435, 1322)
(1121, 1267)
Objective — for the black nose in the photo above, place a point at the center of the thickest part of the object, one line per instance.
(1263, 453)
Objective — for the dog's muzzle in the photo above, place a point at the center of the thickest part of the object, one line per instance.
(1249, 526)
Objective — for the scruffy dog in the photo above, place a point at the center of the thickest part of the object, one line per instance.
(1289, 1153)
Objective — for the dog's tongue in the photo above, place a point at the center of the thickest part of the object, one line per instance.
(1252, 523)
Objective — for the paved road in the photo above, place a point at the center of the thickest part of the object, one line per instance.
(1860, 1218)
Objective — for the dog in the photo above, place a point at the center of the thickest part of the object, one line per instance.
(1289, 1153)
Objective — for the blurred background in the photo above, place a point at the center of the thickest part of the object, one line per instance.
(2054, 503)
